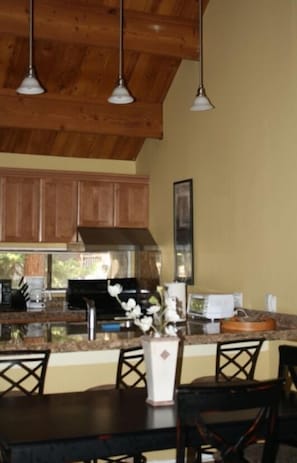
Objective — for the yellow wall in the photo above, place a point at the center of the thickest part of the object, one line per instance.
(242, 155)
(78, 371)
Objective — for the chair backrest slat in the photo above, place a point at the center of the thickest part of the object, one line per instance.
(23, 371)
(131, 368)
(237, 359)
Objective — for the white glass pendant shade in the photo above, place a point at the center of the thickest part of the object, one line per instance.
(30, 85)
(120, 94)
(201, 102)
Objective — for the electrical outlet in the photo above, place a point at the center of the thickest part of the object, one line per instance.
(270, 302)
(238, 300)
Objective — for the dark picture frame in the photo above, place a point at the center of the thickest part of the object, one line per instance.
(183, 231)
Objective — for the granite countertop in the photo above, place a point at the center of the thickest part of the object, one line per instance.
(193, 332)
(43, 316)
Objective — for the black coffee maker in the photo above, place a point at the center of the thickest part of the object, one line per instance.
(12, 300)
(5, 294)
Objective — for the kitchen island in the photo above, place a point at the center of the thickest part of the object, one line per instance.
(78, 364)
(66, 331)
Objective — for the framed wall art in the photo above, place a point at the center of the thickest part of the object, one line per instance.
(183, 231)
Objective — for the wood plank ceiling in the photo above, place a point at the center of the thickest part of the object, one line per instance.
(76, 60)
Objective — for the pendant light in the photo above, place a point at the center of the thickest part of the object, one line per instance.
(201, 102)
(30, 84)
(121, 94)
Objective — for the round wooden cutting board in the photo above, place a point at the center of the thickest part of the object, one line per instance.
(238, 324)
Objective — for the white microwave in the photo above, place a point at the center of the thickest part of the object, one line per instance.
(211, 306)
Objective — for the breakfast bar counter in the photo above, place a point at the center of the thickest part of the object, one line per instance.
(43, 316)
(66, 331)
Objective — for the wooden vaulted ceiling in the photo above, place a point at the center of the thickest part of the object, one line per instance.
(76, 60)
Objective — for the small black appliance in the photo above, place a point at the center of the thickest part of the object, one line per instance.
(107, 307)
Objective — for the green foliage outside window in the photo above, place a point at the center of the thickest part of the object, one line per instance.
(69, 268)
(12, 266)
(61, 266)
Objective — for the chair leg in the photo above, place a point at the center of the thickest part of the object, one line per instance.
(193, 455)
(139, 458)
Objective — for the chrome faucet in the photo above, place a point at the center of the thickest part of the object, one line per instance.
(91, 322)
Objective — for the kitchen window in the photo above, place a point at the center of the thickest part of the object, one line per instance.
(58, 267)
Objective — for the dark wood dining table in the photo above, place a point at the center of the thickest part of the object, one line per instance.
(80, 426)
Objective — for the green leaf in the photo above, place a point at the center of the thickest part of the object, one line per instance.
(154, 300)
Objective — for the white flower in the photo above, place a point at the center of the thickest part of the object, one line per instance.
(159, 318)
(170, 303)
(129, 305)
(135, 313)
(171, 316)
(144, 323)
(114, 290)
(132, 309)
(153, 309)
(170, 330)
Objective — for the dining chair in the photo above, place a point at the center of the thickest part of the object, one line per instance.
(287, 367)
(130, 369)
(130, 373)
(200, 406)
(23, 371)
(235, 360)
(287, 370)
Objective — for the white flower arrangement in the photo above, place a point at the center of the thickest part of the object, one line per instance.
(158, 319)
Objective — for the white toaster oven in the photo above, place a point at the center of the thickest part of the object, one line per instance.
(211, 306)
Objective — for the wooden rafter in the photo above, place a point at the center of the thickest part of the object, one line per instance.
(148, 33)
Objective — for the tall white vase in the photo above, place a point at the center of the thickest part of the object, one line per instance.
(160, 355)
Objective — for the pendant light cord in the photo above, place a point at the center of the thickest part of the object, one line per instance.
(121, 43)
(30, 36)
(200, 44)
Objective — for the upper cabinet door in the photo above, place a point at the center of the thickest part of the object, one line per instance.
(95, 203)
(58, 210)
(42, 206)
(131, 205)
(20, 209)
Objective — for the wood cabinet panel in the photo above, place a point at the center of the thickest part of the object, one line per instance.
(131, 205)
(47, 206)
(20, 209)
(96, 204)
(58, 210)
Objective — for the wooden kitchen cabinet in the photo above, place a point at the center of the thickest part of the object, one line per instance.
(19, 208)
(131, 205)
(46, 206)
(113, 204)
(95, 203)
(58, 210)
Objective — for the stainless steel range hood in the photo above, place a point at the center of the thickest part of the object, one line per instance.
(92, 239)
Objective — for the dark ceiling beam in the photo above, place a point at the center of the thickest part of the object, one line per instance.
(55, 112)
(99, 26)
